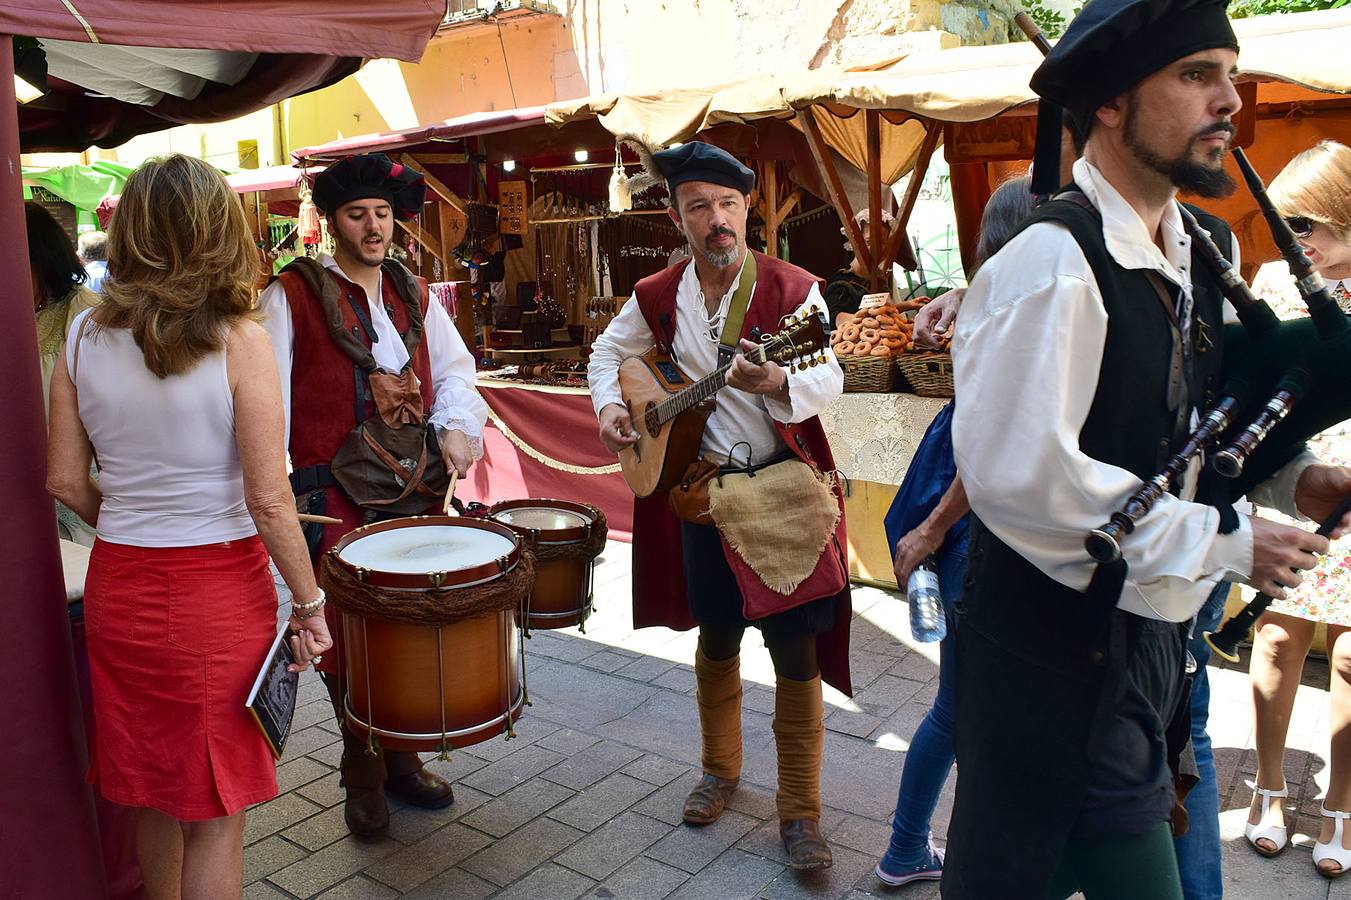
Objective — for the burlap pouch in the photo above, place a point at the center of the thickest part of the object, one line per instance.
(779, 520)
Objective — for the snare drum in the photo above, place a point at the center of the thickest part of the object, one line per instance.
(433, 654)
(568, 538)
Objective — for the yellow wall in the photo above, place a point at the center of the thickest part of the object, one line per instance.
(216, 143)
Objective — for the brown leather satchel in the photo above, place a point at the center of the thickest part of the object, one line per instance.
(689, 498)
(392, 461)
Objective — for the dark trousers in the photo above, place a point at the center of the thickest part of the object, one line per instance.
(716, 604)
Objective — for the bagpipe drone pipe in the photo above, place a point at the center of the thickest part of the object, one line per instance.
(1297, 372)
(1303, 366)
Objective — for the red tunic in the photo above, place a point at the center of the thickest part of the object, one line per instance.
(324, 397)
(658, 577)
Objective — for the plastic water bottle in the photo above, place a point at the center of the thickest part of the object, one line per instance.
(927, 622)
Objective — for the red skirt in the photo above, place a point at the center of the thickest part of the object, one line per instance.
(176, 636)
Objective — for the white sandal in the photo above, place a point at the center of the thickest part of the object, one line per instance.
(1333, 849)
(1277, 834)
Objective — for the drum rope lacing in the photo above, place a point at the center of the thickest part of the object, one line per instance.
(427, 606)
(587, 548)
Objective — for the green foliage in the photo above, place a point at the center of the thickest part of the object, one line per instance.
(1053, 22)
(1242, 9)
(1050, 21)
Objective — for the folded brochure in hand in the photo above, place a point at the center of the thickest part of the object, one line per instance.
(272, 700)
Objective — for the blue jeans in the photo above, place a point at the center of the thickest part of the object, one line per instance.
(930, 756)
(1198, 851)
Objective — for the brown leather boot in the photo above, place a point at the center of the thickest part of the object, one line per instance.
(718, 692)
(410, 782)
(708, 799)
(361, 774)
(799, 737)
(804, 844)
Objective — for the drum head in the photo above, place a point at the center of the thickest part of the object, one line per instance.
(423, 548)
(551, 521)
(541, 518)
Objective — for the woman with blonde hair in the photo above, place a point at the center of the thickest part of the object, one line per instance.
(173, 385)
(1313, 193)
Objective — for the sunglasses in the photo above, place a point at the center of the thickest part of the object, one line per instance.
(1302, 226)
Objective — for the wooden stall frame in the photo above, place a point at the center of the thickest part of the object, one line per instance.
(834, 187)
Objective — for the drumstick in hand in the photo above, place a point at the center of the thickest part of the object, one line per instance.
(318, 520)
(450, 491)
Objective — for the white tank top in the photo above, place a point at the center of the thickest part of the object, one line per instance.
(168, 464)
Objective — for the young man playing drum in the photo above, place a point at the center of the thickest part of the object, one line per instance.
(686, 573)
(1083, 350)
(326, 395)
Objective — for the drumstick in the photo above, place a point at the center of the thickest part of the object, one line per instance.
(450, 491)
(318, 520)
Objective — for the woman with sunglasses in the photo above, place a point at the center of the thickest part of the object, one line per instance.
(1313, 192)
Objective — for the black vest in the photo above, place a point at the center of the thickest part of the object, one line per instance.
(1129, 424)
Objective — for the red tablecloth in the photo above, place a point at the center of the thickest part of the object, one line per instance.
(542, 442)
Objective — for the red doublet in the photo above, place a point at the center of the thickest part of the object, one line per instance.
(658, 576)
(324, 383)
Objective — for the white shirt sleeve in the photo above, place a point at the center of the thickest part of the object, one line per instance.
(812, 389)
(626, 335)
(277, 322)
(1278, 491)
(456, 404)
(1026, 369)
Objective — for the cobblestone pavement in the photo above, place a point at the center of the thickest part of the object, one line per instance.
(585, 802)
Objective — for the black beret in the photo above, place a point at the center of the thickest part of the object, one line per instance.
(1113, 45)
(697, 161)
(370, 176)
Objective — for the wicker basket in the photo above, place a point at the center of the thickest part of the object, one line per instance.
(928, 374)
(868, 374)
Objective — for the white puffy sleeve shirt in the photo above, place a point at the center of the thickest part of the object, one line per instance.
(741, 420)
(1026, 356)
(456, 404)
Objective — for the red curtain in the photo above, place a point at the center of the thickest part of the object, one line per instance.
(552, 450)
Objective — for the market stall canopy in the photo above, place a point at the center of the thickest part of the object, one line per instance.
(282, 179)
(119, 68)
(84, 187)
(1293, 56)
(662, 118)
(472, 125)
(665, 117)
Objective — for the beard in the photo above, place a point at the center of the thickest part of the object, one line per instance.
(357, 249)
(721, 258)
(1200, 178)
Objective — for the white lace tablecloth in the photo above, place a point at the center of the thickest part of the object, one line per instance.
(874, 436)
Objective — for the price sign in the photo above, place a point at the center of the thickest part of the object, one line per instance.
(512, 213)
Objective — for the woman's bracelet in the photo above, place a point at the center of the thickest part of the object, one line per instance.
(308, 608)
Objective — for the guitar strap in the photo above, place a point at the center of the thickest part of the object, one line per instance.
(729, 343)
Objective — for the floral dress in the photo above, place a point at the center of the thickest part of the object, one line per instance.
(1325, 593)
